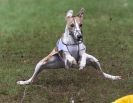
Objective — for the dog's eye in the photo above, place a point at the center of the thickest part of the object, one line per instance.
(80, 25)
(72, 25)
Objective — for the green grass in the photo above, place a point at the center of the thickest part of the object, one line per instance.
(29, 30)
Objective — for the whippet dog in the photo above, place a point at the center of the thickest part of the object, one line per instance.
(70, 51)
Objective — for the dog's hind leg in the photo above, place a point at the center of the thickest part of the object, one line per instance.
(53, 62)
(91, 60)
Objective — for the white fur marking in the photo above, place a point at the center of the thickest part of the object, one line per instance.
(82, 62)
(111, 76)
(69, 13)
(76, 28)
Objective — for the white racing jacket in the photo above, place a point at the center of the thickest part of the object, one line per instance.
(73, 49)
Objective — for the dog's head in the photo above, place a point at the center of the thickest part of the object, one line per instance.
(74, 24)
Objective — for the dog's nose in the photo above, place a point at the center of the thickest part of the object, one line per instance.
(79, 37)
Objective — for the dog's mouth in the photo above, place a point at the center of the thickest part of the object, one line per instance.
(79, 39)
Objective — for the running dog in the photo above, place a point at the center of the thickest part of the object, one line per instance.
(70, 51)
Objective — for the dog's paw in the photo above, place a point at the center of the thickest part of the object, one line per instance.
(23, 82)
(71, 60)
(116, 78)
(74, 62)
(69, 64)
(81, 67)
(112, 77)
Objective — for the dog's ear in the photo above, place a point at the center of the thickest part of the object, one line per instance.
(69, 14)
(81, 12)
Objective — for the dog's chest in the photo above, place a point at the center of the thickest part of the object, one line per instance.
(74, 50)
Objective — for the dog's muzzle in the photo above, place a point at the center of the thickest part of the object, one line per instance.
(79, 37)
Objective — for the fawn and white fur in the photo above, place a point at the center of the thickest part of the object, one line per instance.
(70, 51)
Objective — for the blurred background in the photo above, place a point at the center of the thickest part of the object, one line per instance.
(29, 30)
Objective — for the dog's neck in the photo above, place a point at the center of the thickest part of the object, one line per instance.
(67, 38)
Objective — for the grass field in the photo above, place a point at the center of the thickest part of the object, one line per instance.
(29, 30)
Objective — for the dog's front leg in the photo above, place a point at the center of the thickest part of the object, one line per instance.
(82, 63)
(69, 60)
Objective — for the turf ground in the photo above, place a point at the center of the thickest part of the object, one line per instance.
(29, 30)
